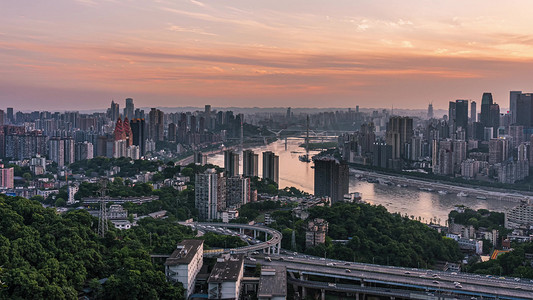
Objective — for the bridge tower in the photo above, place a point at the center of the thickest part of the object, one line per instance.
(307, 137)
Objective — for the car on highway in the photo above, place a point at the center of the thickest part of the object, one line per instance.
(346, 264)
(332, 284)
(436, 282)
(407, 272)
(348, 271)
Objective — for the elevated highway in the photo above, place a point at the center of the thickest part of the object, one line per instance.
(271, 245)
(405, 278)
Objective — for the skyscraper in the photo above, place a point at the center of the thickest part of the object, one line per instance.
(461, 115)
(114, 111)
(172, 130)
(513, 108)
(486, 102)
(129, 110)
(57, 151)
(430, 111)
(524, 110)
(137, 128)
(451, 116)
(494, 119)
(271, 166)
(69, 150)
(231, 163)
(9, 113)
(208, 195)
(2, 117)
(331, 178)
(399, 134)
(155, 125)
(237, 191)
(250, 163)
(473, 112)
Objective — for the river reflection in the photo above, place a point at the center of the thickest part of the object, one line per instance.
(404, 200)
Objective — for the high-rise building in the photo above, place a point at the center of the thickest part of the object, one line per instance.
(7, 177)
(57, 151)
(473, 112)
(155, 125)
(271, 166)
(250, 163)
(231, 163)
(331, 178)
(114, 111)
(172, 130)
(129, 110)
(513, 108)
(69, 150)
(494, 119)
(237, 192)
(524, 110)
(430, 111)
(451, 116)
(10, 118)
(288, 115)
(381, 155)
(84, 150)
(399, 134)
(200, 158)
(498, 150)
(2, 117)
(137, 128)
(208, 194)
(461, 115)
(486, 102)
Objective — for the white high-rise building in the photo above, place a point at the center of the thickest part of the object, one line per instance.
(207, 194)
(57, 151)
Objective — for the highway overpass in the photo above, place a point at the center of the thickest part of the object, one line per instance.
(404, 278)
(272, 244)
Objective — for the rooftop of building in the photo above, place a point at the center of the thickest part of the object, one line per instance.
(273, 282)
(226, 270)
(184, 253)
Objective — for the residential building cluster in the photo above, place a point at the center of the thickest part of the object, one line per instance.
(71, 136)
(486, 145)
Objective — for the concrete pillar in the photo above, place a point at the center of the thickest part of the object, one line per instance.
(255, 234)
(241, 230)
(279, 248)
(356, 296)
(304, 290)
(323, 294)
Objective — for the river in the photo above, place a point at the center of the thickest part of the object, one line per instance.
(404, 200)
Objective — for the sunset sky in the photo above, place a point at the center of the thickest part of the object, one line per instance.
(67, 54)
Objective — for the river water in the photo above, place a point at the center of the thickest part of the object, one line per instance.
(404, 200)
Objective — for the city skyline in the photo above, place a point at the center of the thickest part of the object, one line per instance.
(82, 54)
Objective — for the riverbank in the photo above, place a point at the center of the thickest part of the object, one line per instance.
(435, 186)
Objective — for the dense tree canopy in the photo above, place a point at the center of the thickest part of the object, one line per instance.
(515, 263)
(49, 256)
(373, 235)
